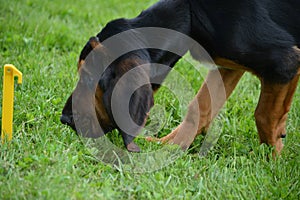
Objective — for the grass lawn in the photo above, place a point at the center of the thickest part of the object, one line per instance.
(46, 160)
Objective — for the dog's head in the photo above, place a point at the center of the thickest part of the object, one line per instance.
(94, 98)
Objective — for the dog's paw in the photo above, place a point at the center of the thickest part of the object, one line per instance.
(132, 147)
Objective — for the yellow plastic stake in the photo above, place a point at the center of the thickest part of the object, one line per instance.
(10, 72)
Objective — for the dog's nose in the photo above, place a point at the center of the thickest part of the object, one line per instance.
(68, 120)
(283, 135)
(65, 119)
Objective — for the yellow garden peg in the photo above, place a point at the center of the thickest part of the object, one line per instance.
(10, 72)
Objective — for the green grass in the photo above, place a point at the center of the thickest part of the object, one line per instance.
(46, 160)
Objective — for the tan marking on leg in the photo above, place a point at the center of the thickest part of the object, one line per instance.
(272, 111)
(205, 106)
(217, 82)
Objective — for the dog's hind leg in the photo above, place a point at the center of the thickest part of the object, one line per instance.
(272, 111)
(217, 87)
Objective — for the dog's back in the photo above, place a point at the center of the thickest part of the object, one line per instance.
(287, 15)
(257, 34)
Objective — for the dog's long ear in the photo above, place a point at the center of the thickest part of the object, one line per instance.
(140, 104)
(122, 78)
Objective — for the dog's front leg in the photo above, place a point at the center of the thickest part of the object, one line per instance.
(217, 87)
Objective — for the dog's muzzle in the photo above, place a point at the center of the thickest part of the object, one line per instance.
(68, 120)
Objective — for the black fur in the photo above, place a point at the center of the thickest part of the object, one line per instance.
(256, 34)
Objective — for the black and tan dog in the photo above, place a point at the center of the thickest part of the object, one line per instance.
(259, 36)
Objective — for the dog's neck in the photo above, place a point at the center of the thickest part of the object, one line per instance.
(174, 16)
